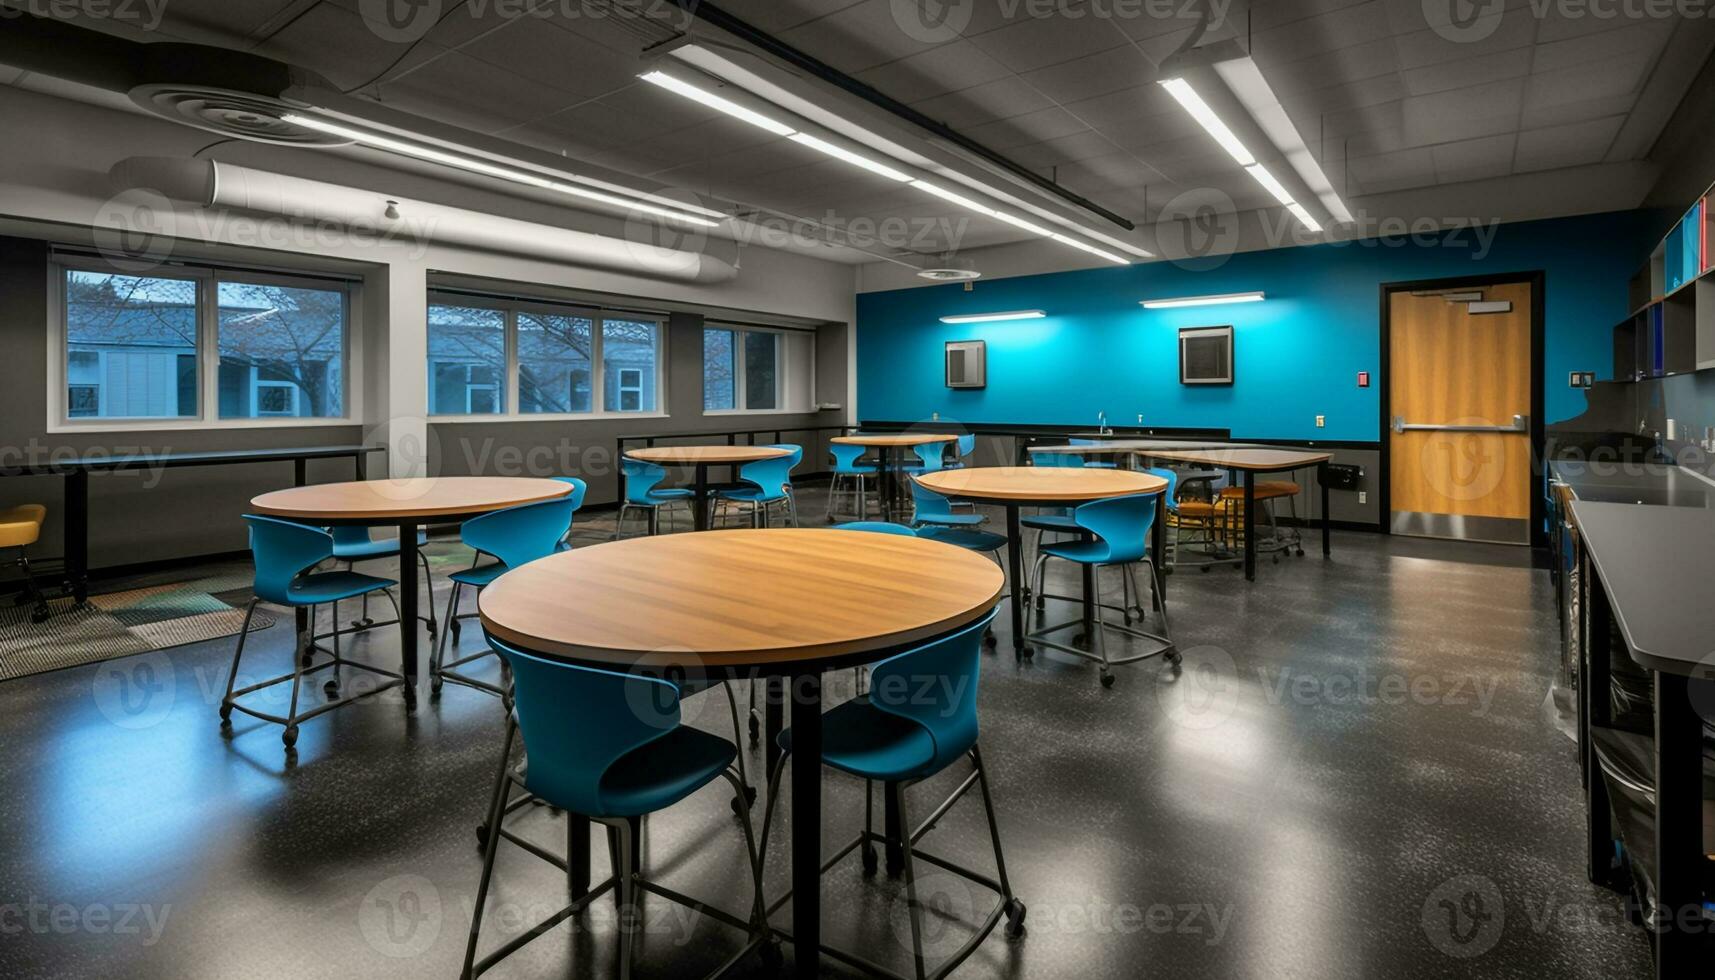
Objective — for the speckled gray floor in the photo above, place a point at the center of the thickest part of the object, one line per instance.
(1354, 775)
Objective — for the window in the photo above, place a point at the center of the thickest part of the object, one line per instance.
(486, 354)
(753, 369)
(554, 363)
(200, 344)
(281, 351)
(628, 349)
(467, 359)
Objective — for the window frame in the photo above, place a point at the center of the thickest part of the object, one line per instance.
(782, 365)
(510, 308)
(207, 277)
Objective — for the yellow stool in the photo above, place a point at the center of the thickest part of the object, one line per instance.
(19, 528)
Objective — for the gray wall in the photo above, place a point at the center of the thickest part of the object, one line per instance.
(145, 516)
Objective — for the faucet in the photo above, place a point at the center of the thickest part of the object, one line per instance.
(1102, 423)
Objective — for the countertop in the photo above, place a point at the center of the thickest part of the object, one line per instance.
(1656, 564)
(1658, 484)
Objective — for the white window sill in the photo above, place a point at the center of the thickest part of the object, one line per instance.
(575, 417)
(97, 426)
(757, 411)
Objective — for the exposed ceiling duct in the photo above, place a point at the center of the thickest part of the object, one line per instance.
(210, 184)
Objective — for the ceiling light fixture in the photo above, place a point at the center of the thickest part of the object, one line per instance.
(841, 153)
(1213, 300)
(959, 199)
(1303, 216)
(479, 166)
(1267, 180)
(715, 102)
(1187, 96)
(1093, 250)
(993, 317)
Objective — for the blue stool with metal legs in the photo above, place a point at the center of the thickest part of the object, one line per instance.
(579, 489)
(967, 445)
(609, 747)
(919, 718)
(641, 479)
(514, 536)
(936, 521)
(932, 508)
(765, 482)
(1117, 534)
(1092, 464)
(854, 474)
(286, 555)
(931, 458)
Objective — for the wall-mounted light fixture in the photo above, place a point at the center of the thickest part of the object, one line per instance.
(1213, 300)
(991, 317)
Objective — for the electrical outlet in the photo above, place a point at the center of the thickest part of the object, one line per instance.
(1140, 418)
(1363, 497)
(1321, 421)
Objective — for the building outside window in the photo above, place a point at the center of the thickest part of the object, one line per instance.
(141, 347)
(756, 369)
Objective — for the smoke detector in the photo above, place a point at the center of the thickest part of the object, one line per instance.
(232, 93)
(950, 269)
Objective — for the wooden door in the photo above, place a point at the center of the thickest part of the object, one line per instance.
(1460, 402)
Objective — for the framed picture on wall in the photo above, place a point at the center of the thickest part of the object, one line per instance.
(967, 364)
(1206, 356)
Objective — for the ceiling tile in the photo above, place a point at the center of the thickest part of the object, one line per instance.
(1543, 116)
(1043, 41)
(1063, 150)
(1490, 156)
(555, 58)
(860, 36)
(1377, 60)
(1118, 68)
(948, 68)
(1466, 113)
(779, 15)
(1029, 128)
(1326, 32)
(1638, 39)
(1421, 48)
(1611, 79)
(999, 99)
(1499, 66)
(1276, 13)
(1566, 146)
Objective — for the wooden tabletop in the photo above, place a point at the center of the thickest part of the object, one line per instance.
(680, 455)
(1122, 447)
(740, 598)
(894, 440)
(384, 500)
(1069, 484)
(1260, 460)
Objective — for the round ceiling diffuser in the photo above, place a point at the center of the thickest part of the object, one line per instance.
(950, 269)
(233, 93)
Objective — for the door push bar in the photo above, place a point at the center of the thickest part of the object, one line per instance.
(1521, 423)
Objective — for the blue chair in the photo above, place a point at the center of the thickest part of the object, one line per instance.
(286, 555)
(765, 482)
(919, 718)
(609, 747)
(352, 544)
(1093, 464)
(931, 457)
(579, 490)
(1116, 534)
(514, 536)
(932, 508)
(876, 527)
(966, 446)
(848, 470)
(641, 479)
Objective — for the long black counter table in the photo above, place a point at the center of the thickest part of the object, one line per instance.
(76, 471)
(1647, 576)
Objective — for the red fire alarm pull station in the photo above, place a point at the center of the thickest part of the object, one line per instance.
(1363, 379)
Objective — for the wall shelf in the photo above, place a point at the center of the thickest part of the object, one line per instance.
(1671, 329)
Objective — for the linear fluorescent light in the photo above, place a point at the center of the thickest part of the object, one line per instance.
(1215, 300)
(1093, 250)
(1253, 92)
(959, 199)
(1187, 96)
(716, 102)
(1304, 216)
(991, 317)
(1034, 229)
(841, 153)
(1267, 180)
(475, 165)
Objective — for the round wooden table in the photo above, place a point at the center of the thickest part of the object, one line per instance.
(886, 447)
(701, 458)
(782, 603)
(1014, 487)
(407, 505)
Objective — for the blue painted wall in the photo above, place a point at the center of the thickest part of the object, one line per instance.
(1297, 354)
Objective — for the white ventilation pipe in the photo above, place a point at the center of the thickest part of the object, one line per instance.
(207, 183)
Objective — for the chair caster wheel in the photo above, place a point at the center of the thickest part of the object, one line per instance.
(290, 736)
(225, 715)
(331, 689)
(871, 861)
(482, 835)
(990, 640)
(435, 685)
(453, 628)
(1015, 913)
(749, 799)
(755, 731)
(309, 657)
(1107, 680)
(771, 955)
(1300, 552)
(40, 615)
(1205, 569)
(1175, 658)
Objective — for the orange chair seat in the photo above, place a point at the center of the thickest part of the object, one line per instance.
(1265, 490)
(21, 525)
